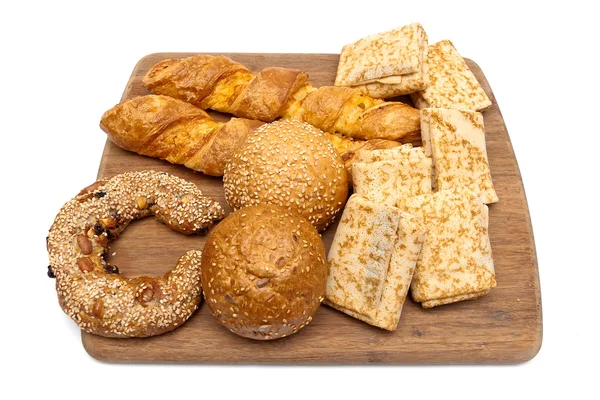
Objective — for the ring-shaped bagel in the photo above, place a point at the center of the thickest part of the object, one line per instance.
(91, 291)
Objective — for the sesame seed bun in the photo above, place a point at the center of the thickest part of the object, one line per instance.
(291, 164)
(264, 272)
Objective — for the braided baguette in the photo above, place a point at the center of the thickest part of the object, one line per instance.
(221, 84)
(176, 131)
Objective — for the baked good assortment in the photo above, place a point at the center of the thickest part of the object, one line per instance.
(264, 272)
(417, 220)
(92, 292)
(290, 164)
(221, 84)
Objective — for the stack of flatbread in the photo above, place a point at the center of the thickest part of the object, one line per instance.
(455, 263)
(372, 260)
(456, 141)
(387, 64)
(418, 216)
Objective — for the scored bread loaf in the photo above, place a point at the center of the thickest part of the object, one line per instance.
(264, 272)
(221, 84)
(176, 131)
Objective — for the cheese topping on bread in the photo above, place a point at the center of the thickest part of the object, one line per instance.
(405, 174)
(450, 82)
(456, 259)
(456, 141)
(386, 64)
(360, 253)
(411, 234)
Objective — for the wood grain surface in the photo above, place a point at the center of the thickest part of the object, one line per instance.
(504, 326)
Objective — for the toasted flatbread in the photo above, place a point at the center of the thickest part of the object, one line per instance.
(369, 156)
(456, 141)
(456, 262)
(450, 82)
(360, 254)
(387, 64)
(411, 234)
(390, 180)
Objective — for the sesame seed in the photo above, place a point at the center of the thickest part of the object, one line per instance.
(121, 299)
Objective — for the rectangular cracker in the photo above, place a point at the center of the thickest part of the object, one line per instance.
(359, 255)
(368, 156)
(386, 64)
(450, 82)
(411, 234)
(388, 181)
(456, 262)
(456, 141)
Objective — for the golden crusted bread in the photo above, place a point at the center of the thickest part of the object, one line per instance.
(407, 246)
(450, 82)
(456, 260)
(171, 129)
(405, 174)
(347, 111)
(264, 272)
(176, 131)
(222, 84)
(456, 141)
(291, 164)
(91, 291)
(387, 64)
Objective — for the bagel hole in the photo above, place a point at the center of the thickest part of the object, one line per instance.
(148, 247)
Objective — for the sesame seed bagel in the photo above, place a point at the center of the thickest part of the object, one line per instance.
(264, 272)
(91, 291)
(291, 164)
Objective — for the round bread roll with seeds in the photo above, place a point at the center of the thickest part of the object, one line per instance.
(264, 272)
(291, 164)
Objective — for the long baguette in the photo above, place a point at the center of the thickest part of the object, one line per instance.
(176, 131)
(221, 84)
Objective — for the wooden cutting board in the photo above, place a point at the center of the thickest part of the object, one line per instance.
(505, 326)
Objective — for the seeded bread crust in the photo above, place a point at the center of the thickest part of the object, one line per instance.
(91, 291)
(291, 164)
(264, 272)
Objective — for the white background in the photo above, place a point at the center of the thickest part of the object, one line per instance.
(62, 65)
